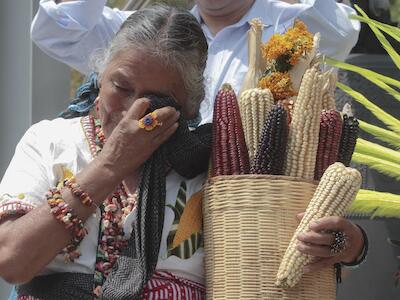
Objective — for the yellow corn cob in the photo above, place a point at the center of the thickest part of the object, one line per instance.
(254, 105)
(337, 189)
(304, 130)
(328, 94)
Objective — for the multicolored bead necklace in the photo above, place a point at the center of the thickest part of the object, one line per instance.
(114, 210)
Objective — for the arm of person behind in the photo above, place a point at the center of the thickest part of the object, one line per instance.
(339, 33)
(72, 31)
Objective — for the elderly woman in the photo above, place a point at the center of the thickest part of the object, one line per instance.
(73, 190)
(108, 205)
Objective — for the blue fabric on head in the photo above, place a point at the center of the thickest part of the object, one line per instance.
(84, 100)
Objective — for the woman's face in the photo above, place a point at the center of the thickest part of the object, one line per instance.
(130, 75)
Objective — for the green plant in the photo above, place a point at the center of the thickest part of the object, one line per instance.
(384, 159)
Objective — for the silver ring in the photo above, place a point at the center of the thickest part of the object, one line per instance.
(339, 242)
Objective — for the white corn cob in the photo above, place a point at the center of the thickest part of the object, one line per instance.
(328, 94)
(304, 129)
(337, 189)
(254, 105)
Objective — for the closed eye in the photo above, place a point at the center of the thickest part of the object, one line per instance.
(121, 88)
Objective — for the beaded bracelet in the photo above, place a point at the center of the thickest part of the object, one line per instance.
(63, 213)
(78, 192)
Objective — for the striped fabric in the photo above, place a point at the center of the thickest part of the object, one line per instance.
(165, 286)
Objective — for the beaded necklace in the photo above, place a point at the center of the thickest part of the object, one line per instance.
(114, 210)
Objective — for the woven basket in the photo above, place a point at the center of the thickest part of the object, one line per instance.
(248, 223)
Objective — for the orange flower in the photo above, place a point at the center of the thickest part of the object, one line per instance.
(290, 46)
(279, 84)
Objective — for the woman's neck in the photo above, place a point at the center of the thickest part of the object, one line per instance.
(216, 20)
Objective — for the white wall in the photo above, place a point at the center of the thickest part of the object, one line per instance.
(32, 86)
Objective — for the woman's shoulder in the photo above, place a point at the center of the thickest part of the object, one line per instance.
(58, 127)
(57, 131)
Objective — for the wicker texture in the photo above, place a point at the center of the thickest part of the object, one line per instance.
(249, 221)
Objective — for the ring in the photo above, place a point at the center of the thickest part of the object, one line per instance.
(339, 242)
(149, 121)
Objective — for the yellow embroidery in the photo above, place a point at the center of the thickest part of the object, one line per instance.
(191, 220)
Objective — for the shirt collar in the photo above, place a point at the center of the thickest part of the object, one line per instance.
(258, 10)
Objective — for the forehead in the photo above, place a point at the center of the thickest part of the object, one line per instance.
(143, 69)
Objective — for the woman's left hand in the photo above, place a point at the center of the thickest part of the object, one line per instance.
(318, 241)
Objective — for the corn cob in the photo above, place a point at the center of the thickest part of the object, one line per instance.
(271, 151)
(349, 138)
(287, 104)
(254, 106)
(230, 156)
(329, 140)
(304, 129)
(335, 192)
(328, 94)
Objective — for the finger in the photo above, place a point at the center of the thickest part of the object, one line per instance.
(167, 116)
(316, 238)
(320, 264)
(138, 109)
(332, 223)
(300, 216)
(314, 250)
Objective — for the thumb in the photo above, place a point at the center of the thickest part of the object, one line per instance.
(300, 216)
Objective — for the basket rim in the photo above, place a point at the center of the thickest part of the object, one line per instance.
(259, 176)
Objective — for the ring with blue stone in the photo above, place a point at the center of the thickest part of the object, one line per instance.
(149, 121)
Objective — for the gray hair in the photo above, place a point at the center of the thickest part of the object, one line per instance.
(171, 34)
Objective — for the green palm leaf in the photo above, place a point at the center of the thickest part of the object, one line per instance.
(377, 151)
(374, 77)
(362, 71)
(386, 118)
(381, 165)
(393, 31)
(382, 39)
(378, 204)
(381, 134)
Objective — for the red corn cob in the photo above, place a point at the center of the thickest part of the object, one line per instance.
(230, 156)
(329, 141)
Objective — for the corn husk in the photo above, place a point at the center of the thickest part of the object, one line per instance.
(256, 62)
(304, 63)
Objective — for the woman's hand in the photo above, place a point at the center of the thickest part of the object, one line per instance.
(318, 240)
(129, 146)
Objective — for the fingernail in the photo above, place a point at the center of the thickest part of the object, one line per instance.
(306, 270)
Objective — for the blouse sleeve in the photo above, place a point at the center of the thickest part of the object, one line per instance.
(26, 179)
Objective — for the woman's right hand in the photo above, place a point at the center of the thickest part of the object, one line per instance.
(129, 146)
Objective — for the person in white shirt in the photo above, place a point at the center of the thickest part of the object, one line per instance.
(72, 31)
